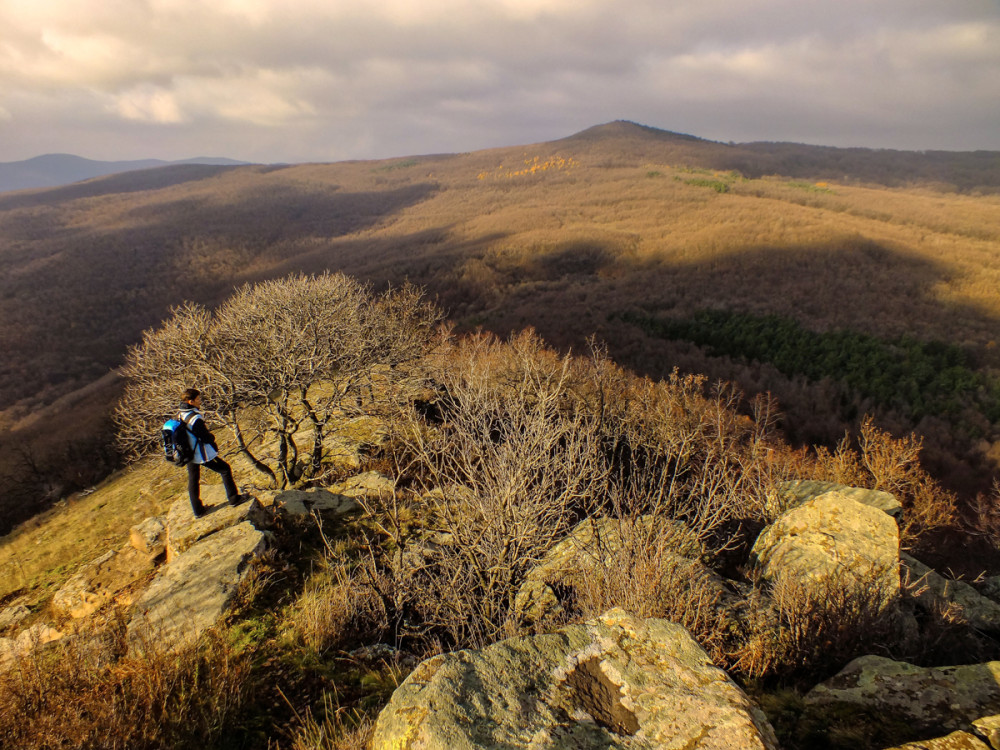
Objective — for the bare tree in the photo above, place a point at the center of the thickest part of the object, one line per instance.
(276, 359)
(502, 480)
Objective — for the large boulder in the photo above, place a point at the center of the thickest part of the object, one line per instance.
(595, 543)
(798, 491)
(184, 530)
(934, 698)
(97, 583)
(935, 593)
(615, 682)
(195, 589)
(832, 538)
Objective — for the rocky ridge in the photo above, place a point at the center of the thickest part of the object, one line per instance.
(614, 681)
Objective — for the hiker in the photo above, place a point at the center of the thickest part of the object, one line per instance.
(206, 453)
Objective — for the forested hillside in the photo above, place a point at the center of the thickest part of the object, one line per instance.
(821, 270)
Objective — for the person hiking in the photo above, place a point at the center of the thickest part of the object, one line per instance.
(206, 453)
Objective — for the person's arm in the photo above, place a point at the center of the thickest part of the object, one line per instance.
(200, 430)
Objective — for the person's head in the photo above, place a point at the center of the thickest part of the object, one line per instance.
(191, 396)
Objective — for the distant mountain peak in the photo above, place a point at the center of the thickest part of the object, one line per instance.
(627, 128)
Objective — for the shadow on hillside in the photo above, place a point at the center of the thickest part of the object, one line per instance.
(275, 214)
(854, 285)
(124, 182)
(76, 303)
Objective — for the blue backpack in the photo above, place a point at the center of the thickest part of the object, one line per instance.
(176, 445)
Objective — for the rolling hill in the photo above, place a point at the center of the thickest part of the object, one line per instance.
(52, 170)
(624, 232)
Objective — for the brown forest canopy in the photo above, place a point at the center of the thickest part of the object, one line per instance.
(617, 231)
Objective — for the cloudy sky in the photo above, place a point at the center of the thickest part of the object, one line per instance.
(326, 80)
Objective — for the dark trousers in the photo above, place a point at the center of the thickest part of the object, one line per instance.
(194, 482)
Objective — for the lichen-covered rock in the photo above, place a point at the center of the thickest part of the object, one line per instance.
(345, 447)
(948, 698)
(594, 543)
(832, 537)
(150, 536)
(799, 491)
(184, 530)
(97, 583)
(615, 682)
(988, 728)
(195, 589)
(935, 593)
(954, 741)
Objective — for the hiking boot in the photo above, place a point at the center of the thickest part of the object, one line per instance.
(234, 501)
(200, 513)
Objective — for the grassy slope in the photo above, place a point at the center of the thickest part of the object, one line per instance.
(41, 554)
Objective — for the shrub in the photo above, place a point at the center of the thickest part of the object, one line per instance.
(515, 462)
(812, 629)
(526, 442)
(642, 567)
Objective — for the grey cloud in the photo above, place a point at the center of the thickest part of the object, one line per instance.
(324, 80)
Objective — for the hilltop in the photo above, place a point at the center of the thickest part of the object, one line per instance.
(865, 262)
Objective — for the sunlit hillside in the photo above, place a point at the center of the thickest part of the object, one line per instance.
(622, 232)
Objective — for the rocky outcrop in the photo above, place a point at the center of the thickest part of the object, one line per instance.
(195, 589)
(368, 484)
(991, 588)
(337, 499)
(948, 698)
(832, 537)
(97, 583)
(583, 553)
(800, 491)
(184, 530)
(935, 593)
(615, 682)
(344, 448)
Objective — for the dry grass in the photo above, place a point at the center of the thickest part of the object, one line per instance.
(646, 574)
(336, 729)
(335, 608)
(90, 694)
(42, 553)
